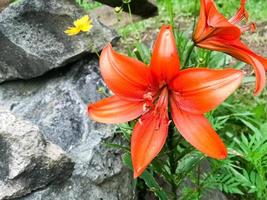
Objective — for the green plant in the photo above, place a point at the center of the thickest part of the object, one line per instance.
(244, 172)
(88, 5)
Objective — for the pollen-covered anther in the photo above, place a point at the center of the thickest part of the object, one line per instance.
(249, 27)
(240, 15)
(148, 96)
(140, 121)
(146, 107)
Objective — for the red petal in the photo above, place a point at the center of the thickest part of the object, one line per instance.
(200, 90)
(238, 50)
(263, 61)
(221, 27)
(165, 60)
(149, 135)
(212, 23)
(197, 130)
(148, 138)
(115, 110)
(202, 22)
(125, 76)
(216, 19)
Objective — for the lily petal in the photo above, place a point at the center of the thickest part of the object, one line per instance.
(220, 26)
(165, 62)
(200, 90)
(149, 135)
(263, 61)
(211, 23)
(215, 32)
(115, 110)
(125, 76)
(148, 138)
(240, 51)
(197, 130)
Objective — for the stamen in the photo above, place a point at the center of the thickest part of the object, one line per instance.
(146, 107)
(148, 102)
(140, 121)
(148, 96)
(251, 27)
(240, 14)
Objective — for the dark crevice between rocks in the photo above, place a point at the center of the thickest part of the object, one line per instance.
(60, 71)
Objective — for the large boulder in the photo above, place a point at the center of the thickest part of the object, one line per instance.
(27, 160)
(56, 102)
(33, 41)
(144, 8)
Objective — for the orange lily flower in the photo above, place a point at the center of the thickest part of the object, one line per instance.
(215, 32)
(147, 91)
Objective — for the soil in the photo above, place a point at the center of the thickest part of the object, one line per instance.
(3, 4)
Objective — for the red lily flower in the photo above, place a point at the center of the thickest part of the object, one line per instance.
(215, 32)
(147, 91)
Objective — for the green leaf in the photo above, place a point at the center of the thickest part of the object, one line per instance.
(148, 178)
(144, 52)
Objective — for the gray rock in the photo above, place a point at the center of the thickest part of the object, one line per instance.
(144, 8)
(32, 38)
(56, 102)
(27, 161)
(214, 195)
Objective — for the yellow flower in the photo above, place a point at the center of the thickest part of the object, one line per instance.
(83, 24)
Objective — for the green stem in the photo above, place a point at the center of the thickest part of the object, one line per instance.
(131, 19)
(195, 17)
(130, 12)
(189, 52)
(172, 160)
(98, 55)
(198, 182)
(170, 11)
(92, 47)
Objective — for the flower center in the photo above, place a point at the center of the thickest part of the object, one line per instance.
(154, 101)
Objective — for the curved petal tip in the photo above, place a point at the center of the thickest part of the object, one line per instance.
(138, 172)
(223, 155)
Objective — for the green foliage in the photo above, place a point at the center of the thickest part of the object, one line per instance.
(254, 7)
(14, 1)
(88, 5)
(187, 8)
(245, 170)
(241, 121)
(242, 126)
(148, 178)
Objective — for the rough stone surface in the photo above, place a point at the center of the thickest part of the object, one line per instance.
(105, 14)
(57, 102)
(27, 161)
(144, 8)
(32, 38)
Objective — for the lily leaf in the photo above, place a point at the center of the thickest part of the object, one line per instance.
(148, 178)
